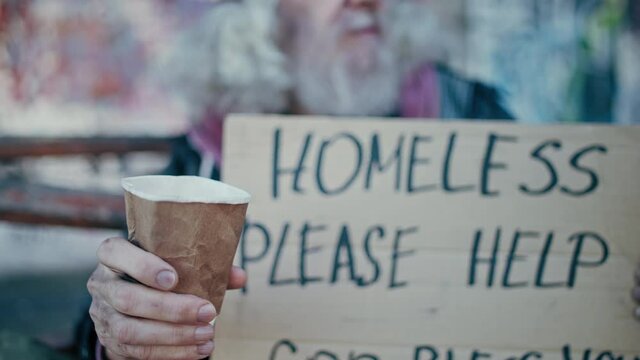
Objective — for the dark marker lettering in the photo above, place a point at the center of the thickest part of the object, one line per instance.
(375, 161)
(553, 175)
(276, 260)
(323, 354)
(531, 354)
(356, 170)
(475, 355)
(296, 171)
(344, 246)
(566, 352)
(475, 259)
(446, 171)
(450, 354)
(245, 258)
(379, 230)
(282, 343)
(593, 176)
(608, 355)
(305, 250)
(513, 257)
(415, 160)
(488, 164)
(417, 355)
(543, 263)
(576, 260)
(397, 254)
(353, 356)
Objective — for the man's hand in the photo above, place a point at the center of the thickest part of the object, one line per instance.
(148, 321)
(636, 292)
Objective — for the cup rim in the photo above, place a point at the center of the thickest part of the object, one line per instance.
(184, 189)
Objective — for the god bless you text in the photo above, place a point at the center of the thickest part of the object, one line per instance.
(404, 156)
(289, 350)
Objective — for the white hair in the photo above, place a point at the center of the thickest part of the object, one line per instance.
(230, 60)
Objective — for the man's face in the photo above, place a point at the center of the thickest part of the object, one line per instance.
(354, 24)
(338, 53)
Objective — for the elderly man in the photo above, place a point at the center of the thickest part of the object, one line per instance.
(331, 57)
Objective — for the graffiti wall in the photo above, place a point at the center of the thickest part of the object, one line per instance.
(555, 60)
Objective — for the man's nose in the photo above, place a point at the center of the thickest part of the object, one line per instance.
(370, 5)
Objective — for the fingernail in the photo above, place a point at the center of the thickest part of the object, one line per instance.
(206, 348)
(166, 279)
(204, 333)
(206, 313)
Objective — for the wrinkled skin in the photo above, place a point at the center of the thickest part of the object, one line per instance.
(147, 320)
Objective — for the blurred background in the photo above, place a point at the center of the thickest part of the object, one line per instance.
(81, 106)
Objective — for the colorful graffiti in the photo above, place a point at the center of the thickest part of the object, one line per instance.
(556, 60)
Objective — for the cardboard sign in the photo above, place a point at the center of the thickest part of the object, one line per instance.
(419, 240)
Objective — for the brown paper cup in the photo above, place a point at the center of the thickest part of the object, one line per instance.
(192, 223)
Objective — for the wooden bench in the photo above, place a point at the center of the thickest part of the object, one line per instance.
(25, 201)
(12, 148)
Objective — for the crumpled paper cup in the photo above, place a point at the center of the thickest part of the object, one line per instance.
(192, 223)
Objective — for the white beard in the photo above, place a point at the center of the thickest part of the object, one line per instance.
(330, 81)
(215, 66)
